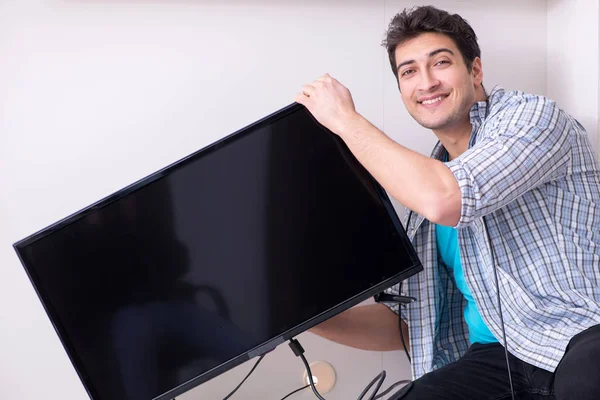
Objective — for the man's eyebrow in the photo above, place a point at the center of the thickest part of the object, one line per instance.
(431, 54)
(442, 50)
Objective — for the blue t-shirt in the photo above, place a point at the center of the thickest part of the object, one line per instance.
(448, 251)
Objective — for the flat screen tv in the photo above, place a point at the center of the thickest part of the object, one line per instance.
(216, 259)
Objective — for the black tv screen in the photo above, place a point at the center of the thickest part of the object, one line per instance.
(216, 259)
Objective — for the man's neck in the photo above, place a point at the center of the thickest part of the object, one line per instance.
(455, 139)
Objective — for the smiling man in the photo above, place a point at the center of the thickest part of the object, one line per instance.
(505, 217)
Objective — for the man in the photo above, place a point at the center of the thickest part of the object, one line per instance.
(505, 219)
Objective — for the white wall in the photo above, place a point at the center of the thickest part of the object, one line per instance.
(573, 56)
(97, 94)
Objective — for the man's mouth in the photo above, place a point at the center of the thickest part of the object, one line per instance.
(432, 101)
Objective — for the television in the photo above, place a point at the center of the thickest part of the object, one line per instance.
(216, 259)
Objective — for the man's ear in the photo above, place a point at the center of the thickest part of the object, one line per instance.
(477, 72)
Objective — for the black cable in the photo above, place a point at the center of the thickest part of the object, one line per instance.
(376, 390)
(395, 385)
(294, 392)
(400, 326)
(312, 383)
(408, 219)
(244, 380)
(399, 305)
(500, 310)
(381, 378)
(299, 352)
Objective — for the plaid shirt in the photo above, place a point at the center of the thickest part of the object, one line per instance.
(530, 180)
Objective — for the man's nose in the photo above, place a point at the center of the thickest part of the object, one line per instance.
(428, 81)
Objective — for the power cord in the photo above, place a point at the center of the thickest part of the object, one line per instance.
(392, 387)
(410, 214)
(500, 310)
(294, 392)
(392, 298)
(299, 352)
(400, 326)
(244, 380)
(379, 379)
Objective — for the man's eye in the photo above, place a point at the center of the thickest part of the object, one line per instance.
(442, 62)
(407, 72)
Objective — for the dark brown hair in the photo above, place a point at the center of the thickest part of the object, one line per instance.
(413, 22)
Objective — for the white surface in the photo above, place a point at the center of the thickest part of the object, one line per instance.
(573, 56)
(97, 94)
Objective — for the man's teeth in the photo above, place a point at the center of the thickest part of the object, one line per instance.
(432, 100)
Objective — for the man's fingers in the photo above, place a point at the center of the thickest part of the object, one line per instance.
(308, 90)
(325, 78)
(301, 98)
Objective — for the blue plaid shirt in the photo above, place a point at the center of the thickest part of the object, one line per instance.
(530, 186)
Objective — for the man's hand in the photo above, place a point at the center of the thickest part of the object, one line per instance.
(330, 103)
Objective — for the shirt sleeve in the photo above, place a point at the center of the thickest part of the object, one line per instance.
(532, 148)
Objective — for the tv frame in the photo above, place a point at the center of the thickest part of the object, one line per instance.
(251, 353)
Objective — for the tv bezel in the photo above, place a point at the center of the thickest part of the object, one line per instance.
(261, 349)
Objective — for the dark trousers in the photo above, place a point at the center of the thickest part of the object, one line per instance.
(481, 374)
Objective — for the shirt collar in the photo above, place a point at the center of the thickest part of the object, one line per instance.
(478, 113)
(481, 110)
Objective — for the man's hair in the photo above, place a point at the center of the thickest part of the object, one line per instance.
(413, 22)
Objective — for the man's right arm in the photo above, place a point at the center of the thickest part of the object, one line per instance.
(371, 327)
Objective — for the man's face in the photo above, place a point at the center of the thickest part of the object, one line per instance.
(436, 87)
